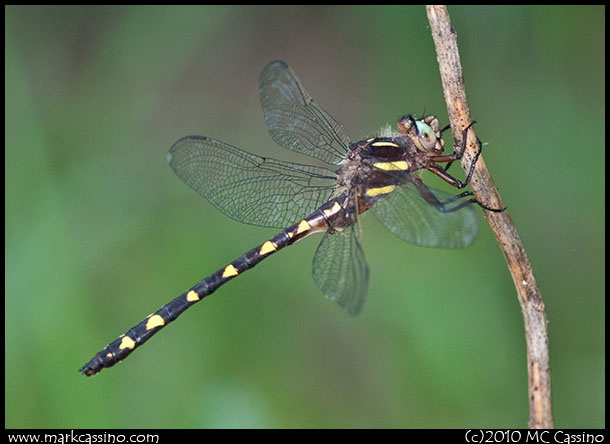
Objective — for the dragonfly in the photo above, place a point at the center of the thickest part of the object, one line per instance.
(381, 174)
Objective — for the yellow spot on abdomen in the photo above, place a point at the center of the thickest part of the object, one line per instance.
(400, 165)
(154, 321)
(230, 271)
(127, 343)
(335, 209)
(303, 226)
(380, 190)
(267, 248)
(392, 144)
(192, 296)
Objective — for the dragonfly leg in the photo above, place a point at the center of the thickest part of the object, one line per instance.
(443, 206)
(457, 155)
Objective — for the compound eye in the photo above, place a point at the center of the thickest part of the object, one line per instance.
(426, 135)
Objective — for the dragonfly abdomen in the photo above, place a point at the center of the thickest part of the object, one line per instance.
(116, 351)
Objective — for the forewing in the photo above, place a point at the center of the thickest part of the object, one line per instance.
(408, 215)
(295, 121)
(340, 269)
(249, 188)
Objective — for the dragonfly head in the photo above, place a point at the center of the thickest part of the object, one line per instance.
(424, 132)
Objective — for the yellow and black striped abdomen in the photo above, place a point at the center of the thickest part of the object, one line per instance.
(119, 349)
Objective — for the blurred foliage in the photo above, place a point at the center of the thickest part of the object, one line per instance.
(99, 232)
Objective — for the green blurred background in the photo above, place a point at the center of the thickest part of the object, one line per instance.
(99, 231)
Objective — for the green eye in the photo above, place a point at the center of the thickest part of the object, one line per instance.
(426, 135)
(423, 128)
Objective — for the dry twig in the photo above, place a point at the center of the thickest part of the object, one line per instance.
(532, 307)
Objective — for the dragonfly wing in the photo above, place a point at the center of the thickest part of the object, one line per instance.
(409, 216)
(295, 121)
(248, 188)
(340, 269)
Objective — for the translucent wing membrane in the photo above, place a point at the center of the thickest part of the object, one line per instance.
(248, 188)
(295, 121)
(409, 216)
(340, 269)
